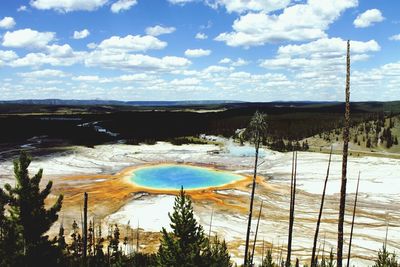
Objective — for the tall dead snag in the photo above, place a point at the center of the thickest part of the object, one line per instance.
(209, 231)
(85, 232)
(257, 130)
(346, 127)
(313, 259)
(255, 236)
(292, 205)
(352, 221)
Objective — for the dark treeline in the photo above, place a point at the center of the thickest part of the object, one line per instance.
(288, 121)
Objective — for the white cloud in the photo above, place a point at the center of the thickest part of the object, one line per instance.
(238, 63)
(368, 18)
(216, 69)
(27, 38)
(54, 55)
(91, 45)
(240, 6)
(46, 73)
(180, 2)
(185, 82)
(225, 61)
(328, 48)
(159, 30)
(86, 78)
(68, 5)
(132, 43)
(201, 36)
(7, 56)
(7, 23)
(395, 37)
(325, 56)
(22, 8)
(197, 52)
(296, 23)
(122, 5)
(81, 34)
(134, 77)
(121, 60)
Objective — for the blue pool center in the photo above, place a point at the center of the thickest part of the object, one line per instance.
(171, 177)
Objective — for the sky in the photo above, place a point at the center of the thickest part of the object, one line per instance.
(247, 50)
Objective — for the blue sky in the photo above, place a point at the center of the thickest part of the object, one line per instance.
(250, 50)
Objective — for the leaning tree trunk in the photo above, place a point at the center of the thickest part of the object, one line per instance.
(291, 212)
(246, 251)
(313, 259)
(255, 236)
(352, 222)
(342, 206)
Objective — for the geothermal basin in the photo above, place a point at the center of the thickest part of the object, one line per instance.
(175, 176)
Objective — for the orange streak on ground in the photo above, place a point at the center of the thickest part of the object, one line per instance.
(115, 190)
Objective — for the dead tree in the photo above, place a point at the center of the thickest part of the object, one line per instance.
(257, 129)
(346, 128)
(85, 232)
(255, 236)
(352, 221)
(292, 205)
(313, 261)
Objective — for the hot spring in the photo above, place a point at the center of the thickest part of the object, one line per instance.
(173, 177)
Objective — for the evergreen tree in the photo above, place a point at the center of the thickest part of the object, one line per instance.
(183, 246)
(386, 259)
(368, 144)
(28, 212)
(11, 246)
(268, 261)
(216, 254)
(60, 239)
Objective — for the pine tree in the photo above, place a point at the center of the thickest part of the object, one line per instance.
(216, 254)
(183, 246)
(11, 245)
(268, 261)
(368, 144)
(386, 259)
(76, 245)
(28, 212)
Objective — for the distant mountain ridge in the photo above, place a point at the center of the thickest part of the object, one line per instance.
(72, 102)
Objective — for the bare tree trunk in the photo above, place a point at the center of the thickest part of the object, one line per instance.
(246, 251)
(292, 204)
(255, 236)
(352, 222)
(209, 231)
(94, 237)
(342, 206)
(313, 261)
(85, 226)
(137, 238)
(262, 251)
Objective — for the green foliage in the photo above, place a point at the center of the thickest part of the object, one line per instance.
(185, 244)
(268, 261)
(386, 259)
(257, 128)
(216, 254)
(28, 219)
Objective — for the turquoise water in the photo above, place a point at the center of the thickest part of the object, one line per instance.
(175, 176)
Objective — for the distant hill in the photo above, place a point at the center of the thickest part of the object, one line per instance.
(61, 102)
